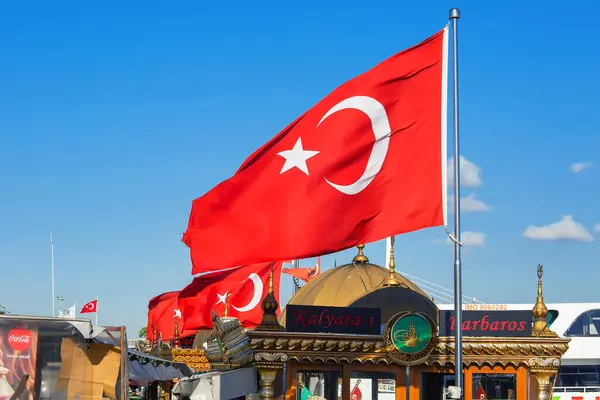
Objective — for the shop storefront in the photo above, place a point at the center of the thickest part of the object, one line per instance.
(363, 332)
(57, 358)
(392, 342)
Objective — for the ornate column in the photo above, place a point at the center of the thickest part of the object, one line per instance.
(269, 363)
(542, 368)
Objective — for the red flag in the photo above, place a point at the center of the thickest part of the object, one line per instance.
(90, 307)
(242, 288)
(366, 162)
(356, 393)
(480, 394)
(162, 311)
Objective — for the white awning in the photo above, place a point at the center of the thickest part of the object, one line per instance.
(218, 385)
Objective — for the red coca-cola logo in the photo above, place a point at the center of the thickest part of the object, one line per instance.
(19, 339)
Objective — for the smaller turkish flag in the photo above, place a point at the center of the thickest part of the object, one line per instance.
(162, 312)
(90, 307)
(356, 393)
(305, 274)
(481, 394)
(243, 289)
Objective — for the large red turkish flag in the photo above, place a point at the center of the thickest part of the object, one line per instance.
(162, 311)
(366, 162)
(243, 288)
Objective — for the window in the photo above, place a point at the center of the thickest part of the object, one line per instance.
(551, 317)
(434, 383)
(578, 376)
(372, 385)
(587, 324)
(494, 386)
(325, 384)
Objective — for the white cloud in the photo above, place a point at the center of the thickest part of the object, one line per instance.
(470, 173)
(565, 229)
(581, 166)
(467, 239)
(597, 228)
(468, 204)
(473, 238)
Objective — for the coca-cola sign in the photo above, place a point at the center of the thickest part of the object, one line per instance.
(19, 339)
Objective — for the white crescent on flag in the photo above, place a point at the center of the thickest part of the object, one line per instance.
(90, 307)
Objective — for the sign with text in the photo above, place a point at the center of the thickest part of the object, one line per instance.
(18, 351)
(487, 323)
(317, 319)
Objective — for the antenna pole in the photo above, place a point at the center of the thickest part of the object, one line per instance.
(52, 255)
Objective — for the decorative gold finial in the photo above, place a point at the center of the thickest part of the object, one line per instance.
(391, 280)
(270, 306)
(154, 337)
(271, 290)
(360, 258)
(226, 312)
(176, 338)
(540, 311)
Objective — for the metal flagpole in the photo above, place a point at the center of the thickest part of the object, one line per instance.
(296, 281)
(458, 363)
(388, 248)
(97, 310)
(52, 253)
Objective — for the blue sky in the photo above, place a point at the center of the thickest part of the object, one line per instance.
(114, 117)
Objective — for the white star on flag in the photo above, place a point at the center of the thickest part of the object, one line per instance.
(222, 298)
(177, 313)
(296, 157)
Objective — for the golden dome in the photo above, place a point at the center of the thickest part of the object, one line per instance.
(341, 286)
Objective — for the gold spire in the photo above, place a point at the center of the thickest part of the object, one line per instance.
(226, 312)
(360, 258)
(176, 338)
(154, 337)
(270, 306)
(540, 311)
(271, 290)
(391, 280)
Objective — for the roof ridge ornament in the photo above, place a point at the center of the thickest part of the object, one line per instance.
(391, 280)
(270, 306)
(176, 343)
(360, 258)
(540, 311)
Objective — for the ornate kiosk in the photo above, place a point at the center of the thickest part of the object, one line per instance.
(361, 331)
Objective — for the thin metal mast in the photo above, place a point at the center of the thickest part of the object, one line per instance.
(52, 255)
(458, 364)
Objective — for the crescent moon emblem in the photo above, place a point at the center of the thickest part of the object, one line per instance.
(258, 290)
(382, 131)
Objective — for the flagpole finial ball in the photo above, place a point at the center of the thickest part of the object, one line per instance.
(454, 13)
